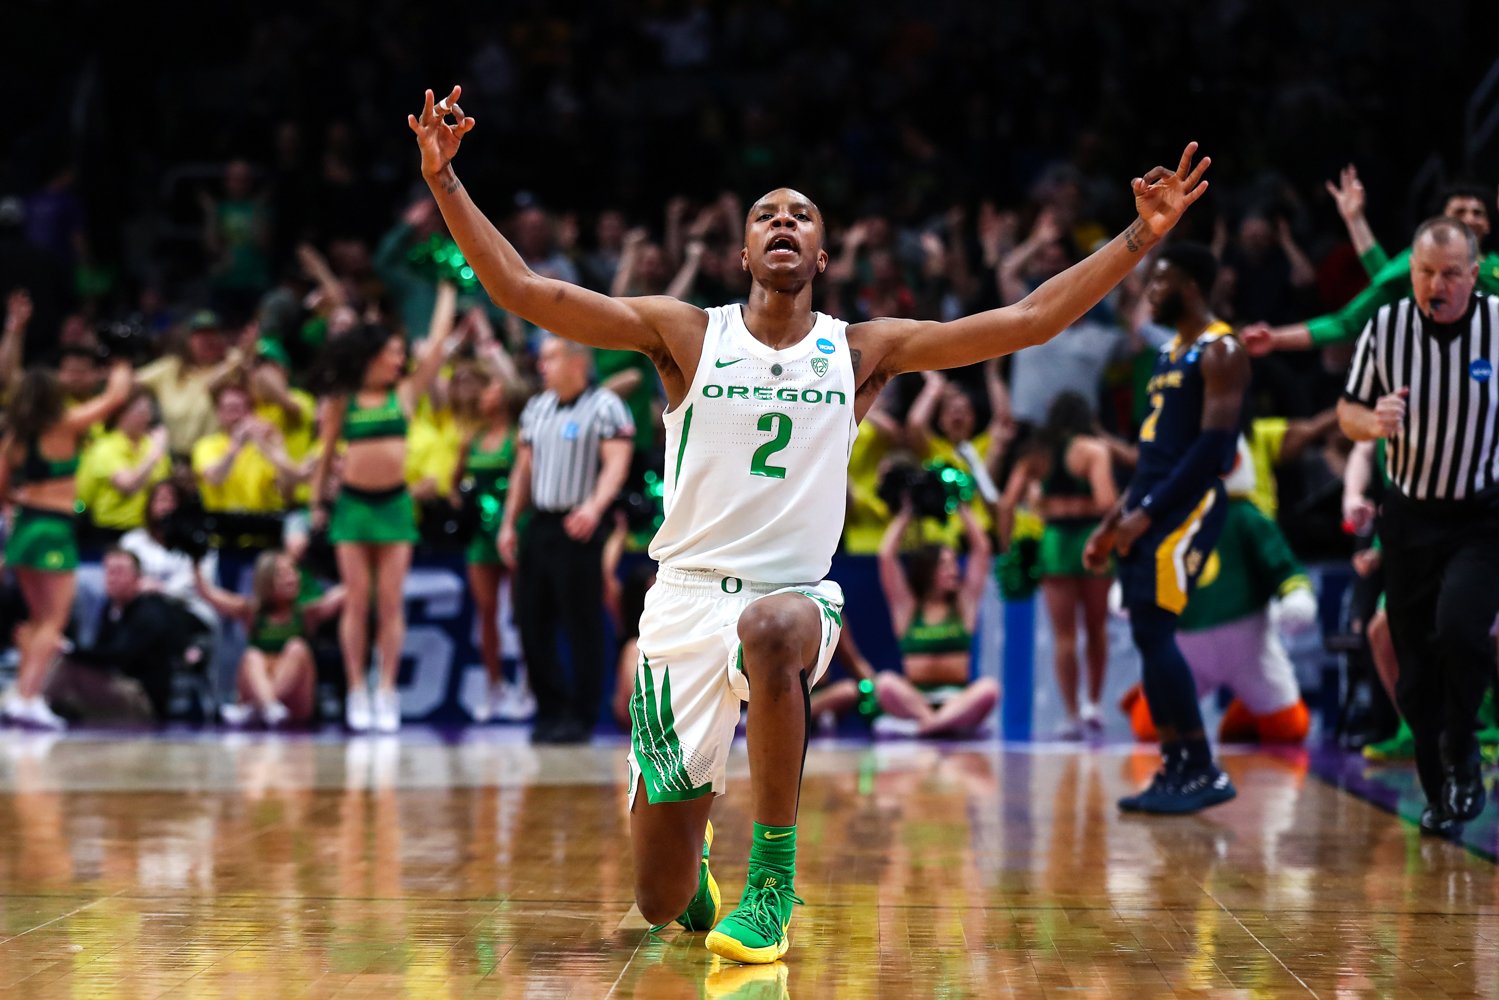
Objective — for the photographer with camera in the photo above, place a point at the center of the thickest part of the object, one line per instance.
(933, 609)
(38, 466)
(139, 635)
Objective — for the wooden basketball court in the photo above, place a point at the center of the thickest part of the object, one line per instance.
(286, 866)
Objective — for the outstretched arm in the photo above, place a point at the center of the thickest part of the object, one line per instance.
(565, 309)
(116, 391)
(895, 346)
(976, 574)
(892, 576)
(228, 604)
(1348, 195)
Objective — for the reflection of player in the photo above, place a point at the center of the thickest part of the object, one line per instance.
(763, 401)
(1169, 521)
(1229, 635)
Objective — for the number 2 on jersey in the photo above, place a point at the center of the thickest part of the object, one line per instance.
(1147, 429)
(780, 425)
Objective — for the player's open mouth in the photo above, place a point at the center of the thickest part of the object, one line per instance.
(781, 245)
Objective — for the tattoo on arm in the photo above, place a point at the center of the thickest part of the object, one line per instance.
(1132, 241)
(450, 183)
(855, 356)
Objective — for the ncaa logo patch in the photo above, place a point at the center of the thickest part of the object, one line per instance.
(1481, 369)
(819, 367)
(825, 345)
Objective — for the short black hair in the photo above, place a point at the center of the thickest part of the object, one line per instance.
(1195, 260)
(1464, 189)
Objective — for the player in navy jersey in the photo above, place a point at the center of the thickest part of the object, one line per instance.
(1167, 523)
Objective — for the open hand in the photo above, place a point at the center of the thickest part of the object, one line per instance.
(437, 139)
(1162, 195)
(17, 309)
(1348, 193)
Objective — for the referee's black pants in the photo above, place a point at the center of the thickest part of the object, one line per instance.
(1442, 597)
(559, 588)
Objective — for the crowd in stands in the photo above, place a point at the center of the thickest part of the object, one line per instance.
(224, 266)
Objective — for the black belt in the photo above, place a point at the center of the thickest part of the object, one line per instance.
(374, 496)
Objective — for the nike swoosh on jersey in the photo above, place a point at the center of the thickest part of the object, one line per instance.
(720, 363)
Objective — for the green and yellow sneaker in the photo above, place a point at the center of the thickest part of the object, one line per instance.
(702, 913)
(1401, 746)
(755, 933)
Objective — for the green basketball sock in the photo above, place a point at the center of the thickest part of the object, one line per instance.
(774, 850)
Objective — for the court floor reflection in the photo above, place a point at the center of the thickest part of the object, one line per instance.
(319, 866)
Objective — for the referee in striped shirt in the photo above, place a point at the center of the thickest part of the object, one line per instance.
(574, 456)
(1424, 378)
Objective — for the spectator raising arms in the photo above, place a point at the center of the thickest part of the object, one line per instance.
(372, 522)
(183, 381)
(119, 468)
(39, 457)
(933, 609)
(277, 673)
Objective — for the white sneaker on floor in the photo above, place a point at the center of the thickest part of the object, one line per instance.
(274, 714)
(13, 706)
(387, 711)
(357, 710)
(37, 714)
(483, 710)
(236, 714)
(1072, 729)
(1091, 718)
(515, 704)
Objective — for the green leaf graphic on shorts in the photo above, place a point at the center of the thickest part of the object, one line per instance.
(658, 751)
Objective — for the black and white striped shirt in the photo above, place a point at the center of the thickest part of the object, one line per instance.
(1449, 446)
(565, 439)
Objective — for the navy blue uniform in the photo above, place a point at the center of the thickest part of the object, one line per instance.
(1163, 564)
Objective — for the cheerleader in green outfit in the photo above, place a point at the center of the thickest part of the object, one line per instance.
(1072, 472)
(38, 463)
(372, 520)
(277, 674)
(484, 464)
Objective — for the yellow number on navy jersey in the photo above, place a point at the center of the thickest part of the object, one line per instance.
(1147, 429)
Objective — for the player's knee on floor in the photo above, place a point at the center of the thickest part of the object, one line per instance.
(661, 904)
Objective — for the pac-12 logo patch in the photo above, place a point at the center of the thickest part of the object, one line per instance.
(825, 345)
(819, 367)
(1481, 369)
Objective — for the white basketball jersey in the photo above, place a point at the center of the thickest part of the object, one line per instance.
(757, 455)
